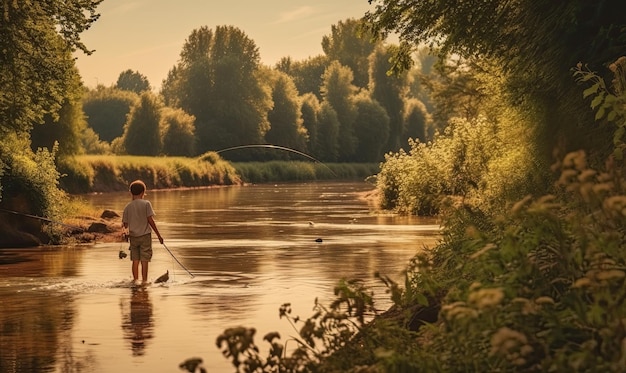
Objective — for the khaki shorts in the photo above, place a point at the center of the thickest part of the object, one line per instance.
(141, 248)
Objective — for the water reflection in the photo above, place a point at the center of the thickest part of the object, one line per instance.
(137, 320)
(251, 249)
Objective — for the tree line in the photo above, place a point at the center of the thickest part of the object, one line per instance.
(341, 106)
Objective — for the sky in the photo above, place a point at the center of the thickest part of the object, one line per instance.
(147, 35)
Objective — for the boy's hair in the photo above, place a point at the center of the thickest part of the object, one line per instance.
(137, 187)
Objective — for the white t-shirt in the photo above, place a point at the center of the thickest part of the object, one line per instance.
(136, 216)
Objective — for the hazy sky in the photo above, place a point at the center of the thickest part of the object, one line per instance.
(147, 35)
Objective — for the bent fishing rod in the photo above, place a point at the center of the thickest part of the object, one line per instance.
(278, 147)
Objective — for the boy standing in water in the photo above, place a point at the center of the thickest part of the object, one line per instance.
(137, 218)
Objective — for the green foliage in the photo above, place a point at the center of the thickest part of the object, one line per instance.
(272, 171)
(285, 116)
(106, 110)
(371, 129)
(327, 331)
(36, 41)
(307, 74)
(327, 145)
(217, 81)
(177, 133)
(142, 135)
(339, 92)
(310, 108)
(390, 91)
(351, 45)
(132, 81)
(30, 182)
(609, 104)
(106, 173)
(416, 121)
(64, 128)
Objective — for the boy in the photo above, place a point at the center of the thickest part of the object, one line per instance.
(137, 218)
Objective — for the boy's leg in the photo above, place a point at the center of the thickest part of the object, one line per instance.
(136, 270)
(144, 270)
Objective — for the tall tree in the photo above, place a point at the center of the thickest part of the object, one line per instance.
(35, 41)
(217, 81)
(310, 109)
(351, 45)
(37, 78)
(371, 128)
(536, 43)
(390, 91)
(338, 91)
(142, 134)
(327, 145)
(133, 81)
(285, 116)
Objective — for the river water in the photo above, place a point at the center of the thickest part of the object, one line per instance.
(249, 250)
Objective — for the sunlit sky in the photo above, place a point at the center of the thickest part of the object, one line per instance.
(147, 35)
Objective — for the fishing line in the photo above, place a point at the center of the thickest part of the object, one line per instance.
(278, 147)
(177, 261)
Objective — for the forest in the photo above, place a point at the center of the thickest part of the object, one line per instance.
(505, 119)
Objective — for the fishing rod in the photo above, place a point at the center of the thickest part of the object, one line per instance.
(278, 147)
(177, 261)
(40, 218)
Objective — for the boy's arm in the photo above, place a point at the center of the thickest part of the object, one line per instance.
(154, 228)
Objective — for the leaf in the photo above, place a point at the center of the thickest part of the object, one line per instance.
(421, 299)
(591, 90)
(600, 113)
(598, 100)
(611, 116)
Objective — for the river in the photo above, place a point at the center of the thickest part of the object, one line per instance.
(249, 250)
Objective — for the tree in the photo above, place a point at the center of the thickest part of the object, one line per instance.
(142, 132)
(306, 74)
(178, 132)
(36, 41)
(132, 81)
(217, 81)
(390, 91)
(534, 43)
(351, 45)
(416, 121)
(338, 91)
(37, 78)
(310, 109)
(106, 110)
(63, 130)
(327, 145)
(285, 117)
(371, 129)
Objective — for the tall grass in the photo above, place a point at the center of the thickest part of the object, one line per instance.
(106, 173)
(262, 172)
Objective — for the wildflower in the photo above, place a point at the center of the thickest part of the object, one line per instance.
(507, 341)
(484, 298)
(544, 300)
(458, 310)
(610, 274)
(581, 283)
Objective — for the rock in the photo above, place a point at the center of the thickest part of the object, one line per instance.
(109, 214)
(99, 228)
